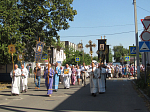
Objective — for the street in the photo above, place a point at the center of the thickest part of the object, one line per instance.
(119, 97)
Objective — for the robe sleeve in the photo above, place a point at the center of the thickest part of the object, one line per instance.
(17, 72)
(11, 73)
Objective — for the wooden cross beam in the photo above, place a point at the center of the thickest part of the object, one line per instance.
(90, 45)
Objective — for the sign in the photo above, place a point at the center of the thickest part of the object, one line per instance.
(77, 59)
(127, 58)
(20, 57)
(66, 71)
(11, 48)
(145, 35)
(132, 50)
(144, 46)
(39, 50)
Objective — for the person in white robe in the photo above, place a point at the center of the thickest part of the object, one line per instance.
(101, 80)
(67, 75)
(94, 80)
(24, 79)
(15, 75)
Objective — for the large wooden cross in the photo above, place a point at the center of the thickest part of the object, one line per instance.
(90, 45)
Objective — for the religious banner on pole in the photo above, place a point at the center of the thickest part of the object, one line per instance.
(20, 57)
(39, 50)
(11, 48)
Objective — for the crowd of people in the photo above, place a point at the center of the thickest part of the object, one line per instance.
(69, 75)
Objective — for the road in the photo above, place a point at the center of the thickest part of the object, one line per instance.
(119, 97)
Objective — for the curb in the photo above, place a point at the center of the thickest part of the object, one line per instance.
(147, 98)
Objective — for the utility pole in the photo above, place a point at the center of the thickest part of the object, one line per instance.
(136, 38)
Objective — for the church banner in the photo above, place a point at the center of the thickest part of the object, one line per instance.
(39, 50)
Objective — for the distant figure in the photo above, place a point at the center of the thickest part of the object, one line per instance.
(73, 75)
(24, 79)
(49, 80)
(94, 80)
(15, 75)
(56, 77)
(28, 68)
(37, 73)
(67, 74)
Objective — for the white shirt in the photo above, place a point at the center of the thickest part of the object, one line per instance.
(78, 72)
(109, 70)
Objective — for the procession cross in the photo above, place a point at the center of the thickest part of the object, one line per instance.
(90, 45)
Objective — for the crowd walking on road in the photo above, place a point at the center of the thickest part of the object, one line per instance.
(70, 75)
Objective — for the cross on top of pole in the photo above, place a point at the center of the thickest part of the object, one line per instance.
(90, 45)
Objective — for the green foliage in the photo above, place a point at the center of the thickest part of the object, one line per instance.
(110, 55)
(96, 58)
(22, 23)
(119, 51)
(71, 54)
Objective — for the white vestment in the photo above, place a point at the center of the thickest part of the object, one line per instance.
(101, 81)
(94, 81)
(67, 78)
(15, 81)
(24, 79)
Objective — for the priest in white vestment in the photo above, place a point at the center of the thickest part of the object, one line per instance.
(24, 79)
(66, 75)
(101, 80)
(15, 75)
(94, 80)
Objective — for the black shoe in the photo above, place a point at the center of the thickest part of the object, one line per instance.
(67, 88)
(64, 87)
(94, 94)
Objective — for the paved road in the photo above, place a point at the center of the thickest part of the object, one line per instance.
(119, 97)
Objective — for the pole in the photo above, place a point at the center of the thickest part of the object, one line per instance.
(136, 38)
(134, 66)
(145, 65)
(13, 67)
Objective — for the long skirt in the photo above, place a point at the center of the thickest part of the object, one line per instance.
(73, 79)
(15, 85)
(49, 86)
(55, 81)
(23, 85)
(101, 84)
(93, 85)
(66, 82)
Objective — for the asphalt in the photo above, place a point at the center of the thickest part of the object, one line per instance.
(119, 97)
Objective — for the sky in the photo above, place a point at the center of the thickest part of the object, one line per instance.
(112, 18)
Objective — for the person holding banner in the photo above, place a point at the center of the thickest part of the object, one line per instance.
(24, 79)
(49, 80)
(56, 77)
(37, 73)
(15, 75)
(67, 74)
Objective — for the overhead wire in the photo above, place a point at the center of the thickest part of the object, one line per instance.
(100, 34)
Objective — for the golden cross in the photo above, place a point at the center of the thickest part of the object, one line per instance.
(104, 36)
(90, 45)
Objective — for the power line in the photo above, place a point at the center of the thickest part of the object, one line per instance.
(100, 34)
(104, 26)
(142, 8)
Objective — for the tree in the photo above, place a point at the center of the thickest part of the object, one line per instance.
(110, 55)
(96, 58)
(71, 54)
(119, 51)
(9, 29)
(23, 22)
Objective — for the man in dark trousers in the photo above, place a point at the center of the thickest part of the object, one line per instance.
(37, 73)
